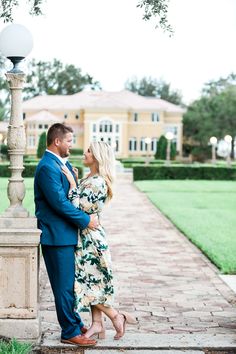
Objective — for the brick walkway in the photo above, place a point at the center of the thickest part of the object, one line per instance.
(161, 278)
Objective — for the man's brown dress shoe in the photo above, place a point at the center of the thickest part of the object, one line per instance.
(80, 340)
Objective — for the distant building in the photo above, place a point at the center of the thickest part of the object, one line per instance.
(124, 119)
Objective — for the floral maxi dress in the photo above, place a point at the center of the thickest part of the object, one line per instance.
(93, 273)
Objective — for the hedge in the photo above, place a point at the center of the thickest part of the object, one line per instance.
(29, 170)
(76, 151)
(183, 172)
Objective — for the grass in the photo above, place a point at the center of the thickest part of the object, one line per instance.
(14, 347)
(204, 211)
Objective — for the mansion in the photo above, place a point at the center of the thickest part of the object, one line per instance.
(123, 119)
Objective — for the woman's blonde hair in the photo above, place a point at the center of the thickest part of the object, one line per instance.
(104, 155)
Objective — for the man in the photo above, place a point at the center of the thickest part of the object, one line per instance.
(59, 221)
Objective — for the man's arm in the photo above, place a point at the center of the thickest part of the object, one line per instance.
(49, 181)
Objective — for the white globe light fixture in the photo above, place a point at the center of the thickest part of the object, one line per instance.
(213, 140)
(169, 135)
(16, 42)
(228, 138)
(147, 141)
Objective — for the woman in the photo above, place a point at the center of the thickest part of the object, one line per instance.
(93, 272)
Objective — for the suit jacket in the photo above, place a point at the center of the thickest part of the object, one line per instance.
(58, 219)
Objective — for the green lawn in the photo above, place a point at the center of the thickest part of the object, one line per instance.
(29, 195)
(205, 211)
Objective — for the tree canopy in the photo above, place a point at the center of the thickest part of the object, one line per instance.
(152, 9)
(214, 114)
(56, 78)
(151, 87)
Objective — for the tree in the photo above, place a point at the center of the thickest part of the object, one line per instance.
(213, 114)
(151, 87)
(7, 6)
(152, 8)
(55, 78)
(42, 145)
(162, 149)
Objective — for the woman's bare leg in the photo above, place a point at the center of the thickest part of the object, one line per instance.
(97, 322)
(117, 319)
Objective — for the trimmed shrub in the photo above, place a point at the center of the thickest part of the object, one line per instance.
(201, 153)
(183, 172)
(162, 149)
(29, 170)
(76, 151)
(42, 145)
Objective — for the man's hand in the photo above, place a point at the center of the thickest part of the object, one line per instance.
(93, 225)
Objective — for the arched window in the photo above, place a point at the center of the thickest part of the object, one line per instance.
(105, 126)
(132, 144)
(143, 145)
(154, 144)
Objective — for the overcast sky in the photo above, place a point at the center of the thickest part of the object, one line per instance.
(109, 40)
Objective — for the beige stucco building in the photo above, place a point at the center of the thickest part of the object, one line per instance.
(124, 119)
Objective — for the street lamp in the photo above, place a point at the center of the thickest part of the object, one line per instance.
(228, 140)
(19, 236)
(213, 142)
(1, 136)
(169, 136)
(16, 42)
(147, 142)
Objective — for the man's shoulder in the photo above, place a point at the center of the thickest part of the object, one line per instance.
(47, 162)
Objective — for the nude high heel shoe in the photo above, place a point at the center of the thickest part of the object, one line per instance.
(127, 318)
(100, 335)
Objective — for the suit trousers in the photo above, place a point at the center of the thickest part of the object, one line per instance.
(60, 264)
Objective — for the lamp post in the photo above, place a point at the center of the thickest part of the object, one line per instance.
(1, 136)
(213, 142)
(169, 136)
(148, 143)
(19, 236)
(228, 140)
(16, 42)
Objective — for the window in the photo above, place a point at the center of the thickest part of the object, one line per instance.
(31, 141)
(24, 115)
(155, 117)
(154, 144)
(94, 128)
(77, 116)
(45, 126)
(173, 129)
(132, 144)
(135, 117)
(117, 128)
(40, 126)
(74, 140)
(65, 115)
(105, 127)
(117, 143)
(143, 145)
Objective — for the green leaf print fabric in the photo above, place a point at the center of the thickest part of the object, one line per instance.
(93, 272)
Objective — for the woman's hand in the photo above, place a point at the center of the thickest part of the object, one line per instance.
(69, 176)
(76, 172)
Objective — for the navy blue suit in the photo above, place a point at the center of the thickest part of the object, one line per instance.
(59, 221)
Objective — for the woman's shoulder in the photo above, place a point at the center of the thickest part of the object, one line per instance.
(98, 180)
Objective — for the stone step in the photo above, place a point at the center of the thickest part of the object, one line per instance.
(145, 343)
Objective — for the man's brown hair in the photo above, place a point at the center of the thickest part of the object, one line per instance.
(59, 131)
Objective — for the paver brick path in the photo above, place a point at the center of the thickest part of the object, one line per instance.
(161, 278)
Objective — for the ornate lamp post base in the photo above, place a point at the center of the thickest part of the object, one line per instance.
(19, 278)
